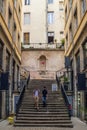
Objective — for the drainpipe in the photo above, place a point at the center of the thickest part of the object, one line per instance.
(46, 22)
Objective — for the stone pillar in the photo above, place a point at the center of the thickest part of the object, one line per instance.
(82, 100)
(82, 112)
(81, 59)
(10, 86)
(3, 104)
(75, 89)
(4, 92)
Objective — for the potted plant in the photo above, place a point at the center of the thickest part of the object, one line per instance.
(62, 42)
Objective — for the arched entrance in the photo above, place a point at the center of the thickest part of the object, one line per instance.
(42, 63)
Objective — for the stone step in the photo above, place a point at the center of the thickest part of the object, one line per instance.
(43, 121)
(40, 101)
(43, 115)
(43, 118)
(44, 125)
(42, 110)
(49, 96)
(41, 107)
(51, 117)
(52, 97)
(48, 103)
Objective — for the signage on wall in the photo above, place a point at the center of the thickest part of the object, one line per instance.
(4, 81)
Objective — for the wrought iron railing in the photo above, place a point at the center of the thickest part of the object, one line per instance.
(43, 45)
(65, 98)
(22, 94)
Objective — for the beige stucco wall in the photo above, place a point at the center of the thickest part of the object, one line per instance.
(37, 26)
(54, 62)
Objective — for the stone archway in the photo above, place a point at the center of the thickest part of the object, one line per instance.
(42, 62)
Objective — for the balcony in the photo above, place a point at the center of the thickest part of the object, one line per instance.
(43, 46)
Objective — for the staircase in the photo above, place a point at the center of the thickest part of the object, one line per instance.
(54, 115)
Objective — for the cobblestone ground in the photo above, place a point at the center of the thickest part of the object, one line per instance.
(78, 125)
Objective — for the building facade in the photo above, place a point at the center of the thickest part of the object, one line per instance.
(42, 23)
(43, 36)
(10, 53)
(76, 50)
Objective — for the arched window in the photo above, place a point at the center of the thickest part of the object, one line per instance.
(42, 62)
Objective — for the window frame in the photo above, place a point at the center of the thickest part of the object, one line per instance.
(49, 35)
(50, 17)
(26, 22)
(50, 1)
(1, 55)
(85, 53)
(27, 2)
(26, 41)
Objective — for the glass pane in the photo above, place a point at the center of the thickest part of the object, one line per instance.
(26, 18)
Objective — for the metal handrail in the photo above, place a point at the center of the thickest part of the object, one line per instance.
(65, 98)
(21, 95)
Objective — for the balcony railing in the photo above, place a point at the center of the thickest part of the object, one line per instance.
(42, 46)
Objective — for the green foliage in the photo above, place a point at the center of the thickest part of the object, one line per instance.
(63, 41)
(65, 79)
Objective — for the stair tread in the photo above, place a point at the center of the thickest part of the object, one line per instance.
(44, 125)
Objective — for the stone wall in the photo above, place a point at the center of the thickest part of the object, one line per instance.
(54, 62)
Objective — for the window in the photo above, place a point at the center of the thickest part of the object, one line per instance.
(14, 36)
(15, 3)
(9, 18)
(50, 17)
(70, 3)
(18, 38)
(78, 62)
(61, 32)
(66, 42)
(1, 53)
(19, 13)
(61, 6)
(7, 61)
(66, 15)
(50, 1)
(75, 19)
(17, 77)
(50, 37)
(83, 5)
(26, 38)
(1, 6)
(85, 54)
(70, 33)
(26, 18)
(27, 2)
